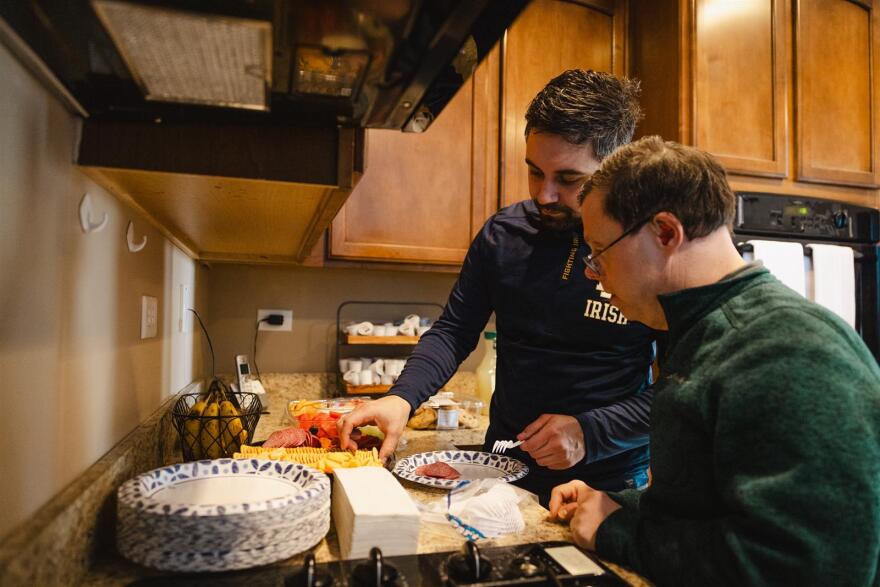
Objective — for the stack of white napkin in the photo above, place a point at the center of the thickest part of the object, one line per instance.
(370, 509)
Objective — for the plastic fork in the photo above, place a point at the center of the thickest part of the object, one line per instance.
(501, 446)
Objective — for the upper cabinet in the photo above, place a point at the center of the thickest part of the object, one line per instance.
(548, 38)
(424, 197)
(715, 75)
(837, 91)
(795, 104)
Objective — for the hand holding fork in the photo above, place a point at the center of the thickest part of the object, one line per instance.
(554, 441)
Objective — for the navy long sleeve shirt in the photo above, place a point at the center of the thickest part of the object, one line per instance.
(562, 349)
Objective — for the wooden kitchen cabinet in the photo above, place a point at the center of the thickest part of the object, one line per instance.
(715, 75)
(549, 37)
(836, 60)
(424, 197)
(782, 92)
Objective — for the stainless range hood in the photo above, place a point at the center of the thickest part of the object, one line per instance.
(237, 126)
(363, 63)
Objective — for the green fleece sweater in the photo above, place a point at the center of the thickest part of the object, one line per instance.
(765, 446)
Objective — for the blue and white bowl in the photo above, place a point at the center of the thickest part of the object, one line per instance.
(222, 515)
(471, 465)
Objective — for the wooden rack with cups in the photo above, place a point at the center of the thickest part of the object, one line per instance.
(398, 345)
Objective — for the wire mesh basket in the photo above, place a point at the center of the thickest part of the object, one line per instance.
(215, 425)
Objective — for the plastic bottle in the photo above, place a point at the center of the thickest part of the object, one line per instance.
(486, 370)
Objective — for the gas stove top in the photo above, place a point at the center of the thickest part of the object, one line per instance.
(545, 563)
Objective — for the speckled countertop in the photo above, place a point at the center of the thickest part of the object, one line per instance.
(105, 567)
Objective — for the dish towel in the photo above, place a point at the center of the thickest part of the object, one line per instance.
(784, 260)
(834, 280)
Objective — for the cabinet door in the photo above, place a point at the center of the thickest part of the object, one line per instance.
(836, 91)
(549, 37)
(739, 84)
(423, 197)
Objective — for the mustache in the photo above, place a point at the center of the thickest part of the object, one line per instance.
(553, 208)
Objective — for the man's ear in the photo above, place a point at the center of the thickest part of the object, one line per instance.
(668, 230)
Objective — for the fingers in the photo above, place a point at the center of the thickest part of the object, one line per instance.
(567, 511)
(346, 424)
(389, 444)
(534, 427)
(562, 495)
(556, 498)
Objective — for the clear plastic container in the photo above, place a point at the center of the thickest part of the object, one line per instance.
(486, 370)
(472, 405)
(447, 417)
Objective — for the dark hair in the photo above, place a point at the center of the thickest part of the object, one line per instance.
(584, 105)
(651, 175)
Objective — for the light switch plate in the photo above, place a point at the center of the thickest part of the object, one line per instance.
(149, 316)
(288, 319)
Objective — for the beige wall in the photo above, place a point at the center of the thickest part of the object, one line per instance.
(76, 375)
(237, 291)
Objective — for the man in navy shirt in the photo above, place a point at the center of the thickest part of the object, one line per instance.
(572, 372)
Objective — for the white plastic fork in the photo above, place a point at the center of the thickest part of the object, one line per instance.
(501, 446)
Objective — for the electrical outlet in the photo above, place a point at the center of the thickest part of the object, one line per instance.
(149, 316)
(286, 325)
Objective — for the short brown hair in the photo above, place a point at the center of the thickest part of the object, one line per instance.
(584, 105)
(651, 175)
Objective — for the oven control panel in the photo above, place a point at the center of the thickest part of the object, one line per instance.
(545, 563)
(794, 216)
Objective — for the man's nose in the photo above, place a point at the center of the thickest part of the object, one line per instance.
(547, 194)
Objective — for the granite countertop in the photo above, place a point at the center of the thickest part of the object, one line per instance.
(110, 568)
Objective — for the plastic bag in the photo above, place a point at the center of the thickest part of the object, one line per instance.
(486, 508)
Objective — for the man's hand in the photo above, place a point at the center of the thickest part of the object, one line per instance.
(388, 413)
(589, 515)
(554, 441)
(565, 498)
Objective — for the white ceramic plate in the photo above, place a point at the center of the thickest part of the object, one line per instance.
(471, 465)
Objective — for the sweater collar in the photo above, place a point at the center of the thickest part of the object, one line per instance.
(686, 307)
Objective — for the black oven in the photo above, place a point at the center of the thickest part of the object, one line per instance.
(807, 220)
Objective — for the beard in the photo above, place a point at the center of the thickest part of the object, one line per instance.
(558, 217)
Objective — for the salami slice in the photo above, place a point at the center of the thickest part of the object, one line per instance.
(291, 438)
(438, 470)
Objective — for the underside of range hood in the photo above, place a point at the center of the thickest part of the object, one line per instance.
(228, 192)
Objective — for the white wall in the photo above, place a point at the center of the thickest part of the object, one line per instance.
(76, 377)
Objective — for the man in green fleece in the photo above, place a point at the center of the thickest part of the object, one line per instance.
(765, 426)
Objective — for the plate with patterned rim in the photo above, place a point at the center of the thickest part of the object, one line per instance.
(221, 515)
(470, 464)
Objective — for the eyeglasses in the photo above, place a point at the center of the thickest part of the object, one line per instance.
(590, 260)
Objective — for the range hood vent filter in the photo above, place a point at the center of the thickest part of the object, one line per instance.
(192, 58)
